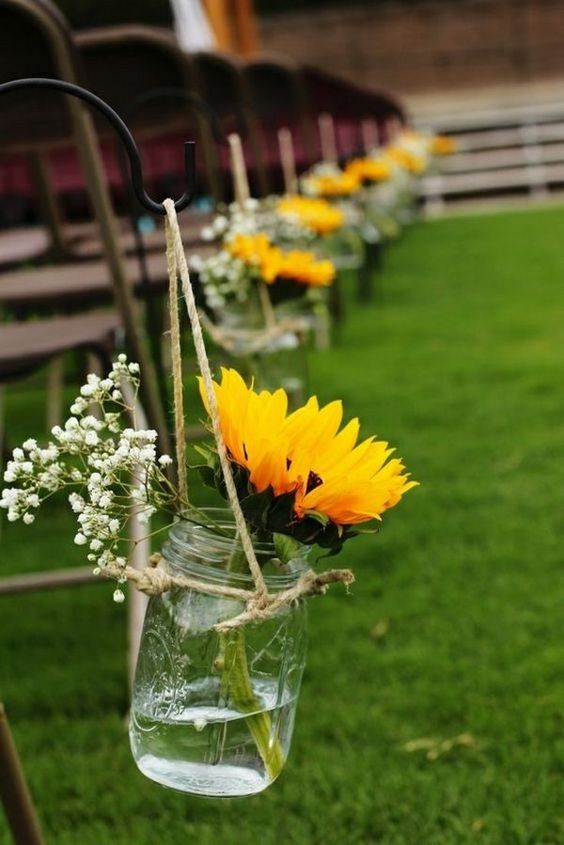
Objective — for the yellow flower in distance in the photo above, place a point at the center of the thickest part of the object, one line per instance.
(305, 453)
(442, 145)
(317, 214)
(406, 159)
(369, 169)
(272, 263)
(338, 184)
(303, 267)
(251, 249)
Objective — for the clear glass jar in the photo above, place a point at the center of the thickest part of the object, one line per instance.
(213, 713)
(280, 361)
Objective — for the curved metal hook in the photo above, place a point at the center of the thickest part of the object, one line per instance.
(125, 136)
(198, 103)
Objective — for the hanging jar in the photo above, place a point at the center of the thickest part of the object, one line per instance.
(270, 360)
(213, 713)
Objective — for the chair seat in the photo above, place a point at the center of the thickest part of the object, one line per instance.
(87, 243)
(32, 243)
(78, 284)
(26, 346)
(25, 244)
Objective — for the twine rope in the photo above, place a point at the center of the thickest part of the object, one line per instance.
(180, 267)
(176, 359)
(260, 340)
(156, 578)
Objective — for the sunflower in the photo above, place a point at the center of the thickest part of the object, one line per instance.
(316, 214)
(406, 159)
(337, 184)
(305, 268)
(254, 250)
(369, 169)
(330, 478)
(272, 263)
(442, 145)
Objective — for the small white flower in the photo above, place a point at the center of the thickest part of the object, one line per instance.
(119, 596)
(80, 539)
(164, 461)
(28, 518)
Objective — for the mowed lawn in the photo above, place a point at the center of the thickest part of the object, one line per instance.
(453, 633)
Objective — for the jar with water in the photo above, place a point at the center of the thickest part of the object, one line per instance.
(213, 713)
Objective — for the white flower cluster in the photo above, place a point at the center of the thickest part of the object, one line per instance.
(264, 217)
(224, 278)
(116, 470)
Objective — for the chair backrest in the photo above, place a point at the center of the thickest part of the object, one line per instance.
(38, 23)
(35, 42)
(349, 105)
(220, 82)
(142, 73)
(277, 97)
(283, 93)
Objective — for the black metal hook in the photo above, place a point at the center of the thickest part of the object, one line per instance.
(191, 98)
(125, 136)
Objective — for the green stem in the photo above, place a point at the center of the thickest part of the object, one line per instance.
(236, 686)
(236, 683)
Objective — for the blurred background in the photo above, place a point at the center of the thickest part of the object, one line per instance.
(430, 52)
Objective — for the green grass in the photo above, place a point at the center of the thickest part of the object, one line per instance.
(459, 361)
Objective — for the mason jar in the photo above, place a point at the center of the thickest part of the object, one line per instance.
(213, 713)
(278, 361)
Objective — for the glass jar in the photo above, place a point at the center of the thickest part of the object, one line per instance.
(213, 713)
(279, 361)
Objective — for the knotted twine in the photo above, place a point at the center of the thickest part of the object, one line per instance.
(156, 578)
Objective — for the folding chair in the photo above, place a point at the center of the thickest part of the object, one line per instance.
(144, 75)
(36, 123)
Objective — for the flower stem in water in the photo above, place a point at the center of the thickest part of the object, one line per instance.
(236, 683)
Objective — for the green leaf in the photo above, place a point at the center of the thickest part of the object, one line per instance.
(208, 454)
(281, 513)
(208, 475)
(306, 530)
(287, 548)
(322, 518)
(255, 507)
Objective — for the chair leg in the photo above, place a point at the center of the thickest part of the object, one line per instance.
(141, 551)
(49, 207)
(14, 792)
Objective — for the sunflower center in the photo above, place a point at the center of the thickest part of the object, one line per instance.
(313, 481)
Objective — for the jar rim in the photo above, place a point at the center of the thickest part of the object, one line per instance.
(179, 552)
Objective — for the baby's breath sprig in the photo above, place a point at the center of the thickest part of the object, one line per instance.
(113, 471)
